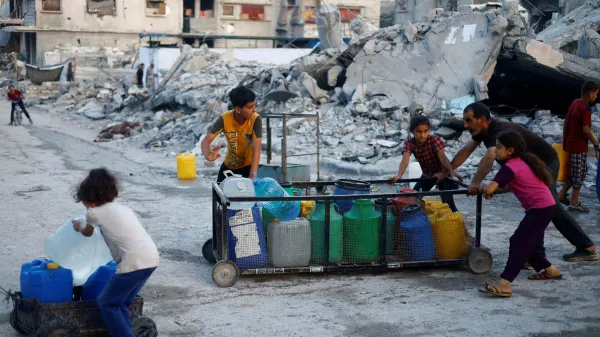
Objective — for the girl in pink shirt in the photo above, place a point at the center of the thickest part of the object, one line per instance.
(528, 178)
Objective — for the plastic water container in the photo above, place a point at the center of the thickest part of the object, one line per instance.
(564, 171)
(390, 224)
(71, 250)
(348, 187)
(449, 235)
(235, 185)
(289, 243)
(336, 242)
(99, 279)
(246, 239)
(186, 166)
(362, 232)
(417, 236)
(46, 281)
(281, 210)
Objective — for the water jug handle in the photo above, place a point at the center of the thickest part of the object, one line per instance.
(230, 173)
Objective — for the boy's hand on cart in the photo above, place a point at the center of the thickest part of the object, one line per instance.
(253, 175)
(474, 189)
(214, 154)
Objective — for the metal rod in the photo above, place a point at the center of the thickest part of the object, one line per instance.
(275, 115)
(214, 222)
(478, 220)
(327, 232)
(284, 149)
(383, 253)
(302, 154)
(318, 147)
(269, 148)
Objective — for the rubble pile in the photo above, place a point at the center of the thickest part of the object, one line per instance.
(365, 92)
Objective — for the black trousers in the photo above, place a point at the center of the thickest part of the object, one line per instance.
(427, 185)
(563, 221)
(12, 110)
(243, 171)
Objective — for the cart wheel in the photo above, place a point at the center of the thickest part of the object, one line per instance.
(207, 251)
(143, 326)
(225, 274)
(58, 327)
(479, 261)
(14, 323)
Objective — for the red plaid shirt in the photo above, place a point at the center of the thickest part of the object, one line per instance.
(426, 154)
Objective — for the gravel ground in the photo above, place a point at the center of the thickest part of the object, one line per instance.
(56, 153)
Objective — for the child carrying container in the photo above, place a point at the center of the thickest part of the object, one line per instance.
(527, 177)
(129, 243)
(429, 152)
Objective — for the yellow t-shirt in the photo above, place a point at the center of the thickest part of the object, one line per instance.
(239, 138)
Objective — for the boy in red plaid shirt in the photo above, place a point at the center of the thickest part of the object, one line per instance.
(429, 152)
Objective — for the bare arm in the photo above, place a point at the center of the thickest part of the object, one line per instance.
(256, 147)
(489, 190)
(447, 165)
(403, 165)
(485, 166)
(463, 154)
(588, 134)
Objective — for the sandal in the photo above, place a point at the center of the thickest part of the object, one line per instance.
(579, 208)
(492, 290)
(543, 276)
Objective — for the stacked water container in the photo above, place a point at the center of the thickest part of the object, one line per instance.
(247, 246)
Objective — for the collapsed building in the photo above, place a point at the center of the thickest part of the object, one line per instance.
(366, 91)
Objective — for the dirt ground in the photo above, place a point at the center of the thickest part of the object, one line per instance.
(56, 153)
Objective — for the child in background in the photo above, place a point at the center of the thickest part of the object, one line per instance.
(16, 98)
(129, 243)
(528, 178)
(576, 136)
(429, 152)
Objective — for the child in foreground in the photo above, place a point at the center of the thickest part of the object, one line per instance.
(129, 243)
(429, 152)
(528, 178)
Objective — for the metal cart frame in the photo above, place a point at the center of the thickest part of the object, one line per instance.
(226, 273)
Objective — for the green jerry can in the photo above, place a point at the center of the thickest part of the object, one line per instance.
(317, 226)
(362, 233)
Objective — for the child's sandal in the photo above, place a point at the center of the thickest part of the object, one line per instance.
(579, 208)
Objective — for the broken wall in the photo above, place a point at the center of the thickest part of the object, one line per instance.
(428, 64)
(567, 31)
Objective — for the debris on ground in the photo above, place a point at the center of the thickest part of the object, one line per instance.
(365, 92)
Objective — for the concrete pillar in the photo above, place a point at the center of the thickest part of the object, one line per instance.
(329, 23)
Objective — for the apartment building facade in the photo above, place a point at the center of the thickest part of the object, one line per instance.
(92, 23)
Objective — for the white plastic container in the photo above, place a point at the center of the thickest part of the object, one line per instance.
(289, 243)
(72, 250)
(235, 185)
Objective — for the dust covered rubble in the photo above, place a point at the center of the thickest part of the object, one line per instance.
(364, 107)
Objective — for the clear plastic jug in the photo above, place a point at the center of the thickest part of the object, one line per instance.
(72, 250)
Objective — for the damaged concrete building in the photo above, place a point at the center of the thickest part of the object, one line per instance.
(91, 23)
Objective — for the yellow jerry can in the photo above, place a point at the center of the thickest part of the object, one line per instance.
(186, 166)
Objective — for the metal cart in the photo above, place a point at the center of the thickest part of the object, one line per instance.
(226, 272)
(73, 319)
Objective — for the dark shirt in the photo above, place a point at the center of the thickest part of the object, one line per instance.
(579, 115)
(140, 76)
(533, 142)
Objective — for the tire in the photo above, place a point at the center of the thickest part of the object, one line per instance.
(143, 326)
(58, 327)
(225, 274)
(479, 261)
(207, 251)
(14, 324)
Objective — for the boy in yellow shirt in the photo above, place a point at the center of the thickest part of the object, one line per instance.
(242, 127)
